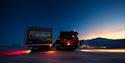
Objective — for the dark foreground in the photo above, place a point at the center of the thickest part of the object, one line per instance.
(20, 56)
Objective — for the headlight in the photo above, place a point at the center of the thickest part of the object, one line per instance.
(68, 44)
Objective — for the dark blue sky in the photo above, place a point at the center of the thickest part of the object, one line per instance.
(86, 16)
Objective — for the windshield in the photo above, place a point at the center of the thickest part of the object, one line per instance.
(69, 36)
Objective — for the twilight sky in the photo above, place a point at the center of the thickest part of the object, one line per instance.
(91, 18)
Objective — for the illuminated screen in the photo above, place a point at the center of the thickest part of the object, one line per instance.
(39, 36)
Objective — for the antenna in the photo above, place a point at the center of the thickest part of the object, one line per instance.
(74, 30)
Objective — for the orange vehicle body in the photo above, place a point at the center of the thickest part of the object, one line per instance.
(67, 40)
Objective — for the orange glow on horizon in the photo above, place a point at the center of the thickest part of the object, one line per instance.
(109, 33)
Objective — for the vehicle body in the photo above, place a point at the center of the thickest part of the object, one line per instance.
(38, 38)
(67, 40)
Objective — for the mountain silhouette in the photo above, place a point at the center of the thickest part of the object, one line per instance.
(109, 43)
(100, 39)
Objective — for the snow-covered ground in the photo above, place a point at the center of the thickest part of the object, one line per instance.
(53, 56)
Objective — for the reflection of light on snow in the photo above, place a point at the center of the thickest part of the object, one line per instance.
(104, 50)
(15, 52)
(50, 52)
